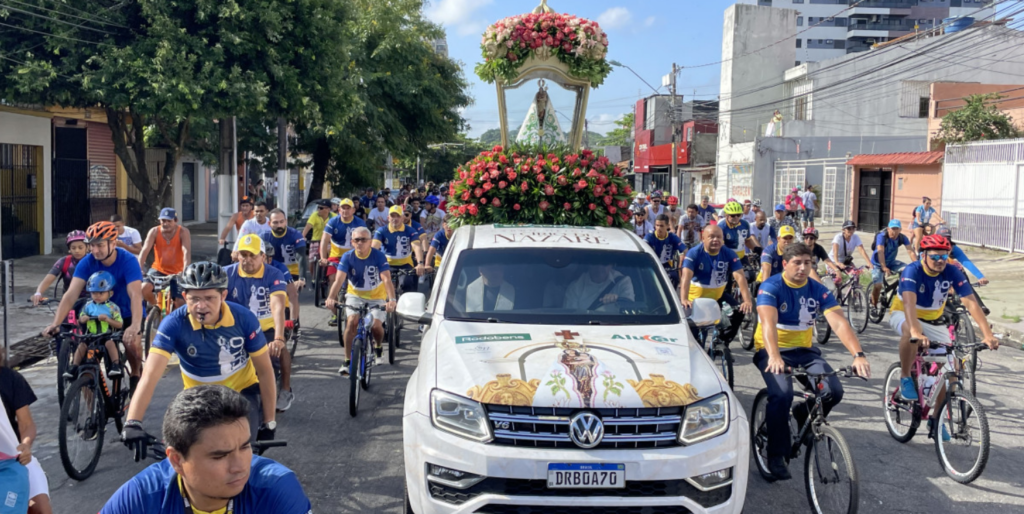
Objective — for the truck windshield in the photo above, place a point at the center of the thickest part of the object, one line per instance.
(551, 286)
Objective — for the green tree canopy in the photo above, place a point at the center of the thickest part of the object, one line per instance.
(980, 119)
(619, 136)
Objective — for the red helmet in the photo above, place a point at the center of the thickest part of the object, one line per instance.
(100, 231)
(673, 200)
(810, 231)
(934, 242)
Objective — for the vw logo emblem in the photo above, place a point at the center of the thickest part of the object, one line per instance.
(586, 430)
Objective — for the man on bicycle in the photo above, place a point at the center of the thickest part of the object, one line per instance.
(771, 257)
(399, 242)
(437, 247)
(667, 247)
(709, 264)
(957, 256)
(171, 244)
(237, 219)
(314, 229)
(219, 343)
(819, 253)
(432, 217)
(922, 297)
(369, 283)
(124, 268)
(290, 249)
(787, 304)
(263, 289)
(888, 242)
(689, 227)
(762, 232)
(336, 240)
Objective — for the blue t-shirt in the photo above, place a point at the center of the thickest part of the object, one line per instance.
(440, 243)
(710, 272)
(797, 305)
(964, 261)
(286, 249)
(892, 247)
(364, 274)
(397, 244)
(931, 290)
(254, 291)
(665, 248)
(772, 255)
(216, 354)
(271, 489)
(125, 270)
(926, 215)
(735, 237)
(283, 269)
(341, 233)
(706, 212)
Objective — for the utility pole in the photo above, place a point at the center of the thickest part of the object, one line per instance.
(419, 172)
(283, 178)
(227, 183)
(674, 176)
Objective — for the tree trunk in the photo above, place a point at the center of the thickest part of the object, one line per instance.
(321, 160)
(127, 132)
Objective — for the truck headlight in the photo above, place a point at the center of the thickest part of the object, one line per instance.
(460, 416)
(705, 419)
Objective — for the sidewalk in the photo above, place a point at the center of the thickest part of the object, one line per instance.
(1005, 272)
(25, 322)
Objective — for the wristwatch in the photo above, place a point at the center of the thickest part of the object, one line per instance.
(271, 425)
(860, 354)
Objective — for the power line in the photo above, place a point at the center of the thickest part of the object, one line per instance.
(100, 21)
(15, 9)
(56, 35)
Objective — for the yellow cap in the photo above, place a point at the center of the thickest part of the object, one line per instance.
(786, 230)
(251, 243)
(348, 202)
(396, 209)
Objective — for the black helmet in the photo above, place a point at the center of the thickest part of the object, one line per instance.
(203, 275)
(269, 251)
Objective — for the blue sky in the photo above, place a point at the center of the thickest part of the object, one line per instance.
(647, 36)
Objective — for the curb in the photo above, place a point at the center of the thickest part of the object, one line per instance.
(1009, 335)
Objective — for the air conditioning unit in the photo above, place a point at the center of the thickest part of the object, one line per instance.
(829, 42)
(874, 18)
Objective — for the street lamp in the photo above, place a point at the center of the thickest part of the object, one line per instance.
(619, 64)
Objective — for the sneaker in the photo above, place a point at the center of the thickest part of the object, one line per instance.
(115, 372)
(378, 349)
(90, 431)
(343, 370)
(71, 372)
(931, 430)
(284, 400)
(333, 322)
(908, 390)
(779, 470)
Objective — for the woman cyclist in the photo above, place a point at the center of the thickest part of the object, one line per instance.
(64, 268)
(924, 215)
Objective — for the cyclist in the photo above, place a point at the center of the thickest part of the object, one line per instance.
(794, 205)
(655, 209)
(237, 219)
(923, 215)
(771, 257)
(263, 289)
(367, 200)
(314, 229)
(845, 243)
(888, 242)
(819, 253)
(674, 213)
(400, 242)
(368, 275)
(378, 217)
(290, 248)
(641, 225)
(924, 285)
(667, 246)
(336, 205)
(172, 252)
(210, 466)
(781, 219)
(689, 227)
(709, 265)
(736, 230)
(957, 256)
(437, 247)
(17, 434)
(410, 220)
(219, 343)
(99, 316)
(122, 265)
(336, 240)
(706, 211)
(432, 217)
(762, 231)
(258, 225)
(748, 214)
(64, 268)
(787, 304)
(127, 237)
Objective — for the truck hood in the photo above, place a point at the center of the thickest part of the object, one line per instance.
(573, 366)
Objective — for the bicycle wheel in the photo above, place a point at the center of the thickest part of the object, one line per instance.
(355, 366)
(857, 309)
(149, 330)
(64, 358)
(319, 285)
(822, 330)
(968, 361)
(759, 434)
(965, 455)
(901, 417)
(82, 425)
(722, 358)
(367, 366)
(829, 473)
(391, 334)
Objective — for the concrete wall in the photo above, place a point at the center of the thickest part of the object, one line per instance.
(947, 97)
(25, 129)
(156, 157)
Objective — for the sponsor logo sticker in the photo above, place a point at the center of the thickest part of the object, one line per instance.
(492, 338)
(656, 339)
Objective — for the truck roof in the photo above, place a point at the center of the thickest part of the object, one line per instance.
(551, 236)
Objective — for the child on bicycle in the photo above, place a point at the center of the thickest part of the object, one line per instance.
(100, 316)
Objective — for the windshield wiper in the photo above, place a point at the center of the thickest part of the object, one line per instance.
(482, 320)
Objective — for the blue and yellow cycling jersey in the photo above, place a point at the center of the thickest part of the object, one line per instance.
(254, 291)
(772, 255)
(735, 237)
(213, 354)
(931, 289)
(341, 233)
(665, 248)
(797, 305)
(397, 244)
(286, 248)
(710, 272)
(440, 243)
(363, 274)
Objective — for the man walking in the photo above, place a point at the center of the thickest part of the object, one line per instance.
(810, 206)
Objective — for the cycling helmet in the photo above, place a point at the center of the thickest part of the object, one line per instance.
(757, 203)
(100, 231)
(935, 242)
(432, 199)
(945, 232)
(268, 251)
(733, 208)
(673, 200)
(849, 224)
(203, 275)
(100, 282)
(75, 235)
(811, 231)
(336, 201)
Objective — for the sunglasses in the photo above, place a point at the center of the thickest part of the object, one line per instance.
(938, 258)
(732, 215)
(360, 239)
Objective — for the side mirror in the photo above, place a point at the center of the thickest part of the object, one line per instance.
(412, 307)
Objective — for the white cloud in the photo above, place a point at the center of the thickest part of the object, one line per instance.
(649, 21)
(614, 18)
(459, 15)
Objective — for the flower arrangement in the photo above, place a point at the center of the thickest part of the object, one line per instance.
(546, 186)
(577, 42)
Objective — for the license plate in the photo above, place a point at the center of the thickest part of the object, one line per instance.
(586, 476)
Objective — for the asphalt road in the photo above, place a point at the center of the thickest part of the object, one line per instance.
(355, 464)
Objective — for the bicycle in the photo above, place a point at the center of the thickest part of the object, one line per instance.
(704, 326)
(59, 347)
(751, 266)
(961, 329)
(959, 408)
(321, 285)
(164, 305)
(360, 366)
(90, 401)
(852, 296)
(877, 312)
(393, 323)
(833, 461)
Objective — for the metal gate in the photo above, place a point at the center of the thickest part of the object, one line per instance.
(983, 193)
(822, 175)
(19, 183)
(785, 180)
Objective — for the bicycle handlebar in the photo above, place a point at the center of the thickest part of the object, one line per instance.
(845, 372)
(158, 450)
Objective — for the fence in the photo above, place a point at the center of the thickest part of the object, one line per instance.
(19, 184)
(982, 188)
(831, 178)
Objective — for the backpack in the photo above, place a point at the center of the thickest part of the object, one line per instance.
(224, 256)
(874, 240)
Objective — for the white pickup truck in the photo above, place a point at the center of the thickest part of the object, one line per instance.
(558, 375)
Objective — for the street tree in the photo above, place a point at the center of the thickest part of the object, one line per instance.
(979, 120)
(619, 136)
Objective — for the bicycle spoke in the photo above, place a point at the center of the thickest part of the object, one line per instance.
(965, 454)
(830, 476)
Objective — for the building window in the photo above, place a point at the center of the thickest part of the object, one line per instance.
(800, 111)
(799, 43)
(912, 92)
(689, 133)
(799, 21)
(798, 63)
(923, 107)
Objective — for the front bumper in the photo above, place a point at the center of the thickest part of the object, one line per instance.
(517, 476)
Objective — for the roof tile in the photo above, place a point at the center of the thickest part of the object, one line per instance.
(889, 159)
